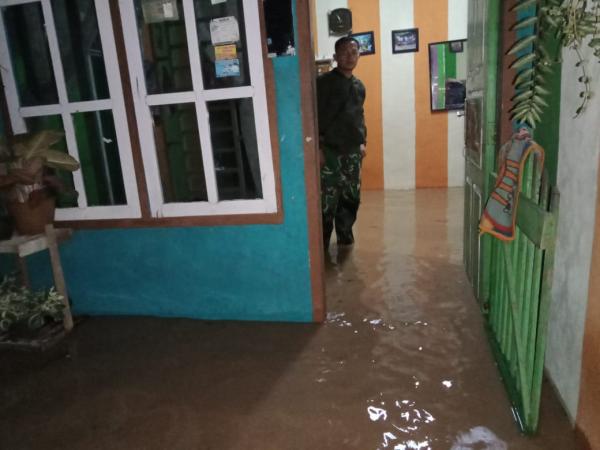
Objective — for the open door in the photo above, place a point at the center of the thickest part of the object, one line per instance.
(511, 280)
(480, 129)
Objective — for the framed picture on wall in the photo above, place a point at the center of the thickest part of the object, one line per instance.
(366, 42)
(405, 41)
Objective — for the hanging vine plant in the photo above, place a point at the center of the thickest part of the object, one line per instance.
(572, 22)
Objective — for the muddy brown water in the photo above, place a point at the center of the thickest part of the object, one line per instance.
(402, 363)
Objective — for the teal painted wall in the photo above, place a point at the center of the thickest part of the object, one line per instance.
(254, 272)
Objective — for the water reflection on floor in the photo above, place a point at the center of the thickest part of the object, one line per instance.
(402, 363)
(432, 383)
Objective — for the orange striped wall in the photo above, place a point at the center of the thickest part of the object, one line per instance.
(431, 128)
(365, 17)
(408, 146)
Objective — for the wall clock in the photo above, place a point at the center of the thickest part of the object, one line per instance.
(340, 22)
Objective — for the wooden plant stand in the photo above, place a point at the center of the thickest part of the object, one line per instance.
(23, 246)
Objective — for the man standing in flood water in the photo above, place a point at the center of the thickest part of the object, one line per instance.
(342, 142)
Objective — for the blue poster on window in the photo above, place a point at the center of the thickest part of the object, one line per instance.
(228, 68)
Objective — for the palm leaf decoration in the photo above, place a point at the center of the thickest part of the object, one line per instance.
(572, 22)
(532, 63)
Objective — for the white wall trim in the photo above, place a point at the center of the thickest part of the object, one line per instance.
(199, 96)
(398, 99)
(66, 109)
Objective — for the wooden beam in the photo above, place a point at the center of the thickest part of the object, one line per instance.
(311, 160)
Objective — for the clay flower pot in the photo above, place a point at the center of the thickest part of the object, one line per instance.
(32, 216)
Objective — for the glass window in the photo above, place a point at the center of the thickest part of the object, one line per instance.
(80, 49)
(199, 94)
(224, 56)
(235, 149)
(28, 43)
(178, 153)
(99, 158)
(206, 140)
(63, 74)
(164, 46)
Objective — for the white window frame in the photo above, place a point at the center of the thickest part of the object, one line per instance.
(65, 109)
(198, 96)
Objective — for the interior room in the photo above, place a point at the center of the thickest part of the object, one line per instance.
(166, 281)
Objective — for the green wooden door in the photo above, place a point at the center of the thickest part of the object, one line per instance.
(511, 280)
(480, 128)
(517, 305)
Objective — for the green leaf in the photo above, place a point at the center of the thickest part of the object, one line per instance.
(520, 111)
(588, 29)
(523, 60)
(540, 90)
(523, 4)
(521, 44)
(527, 22)
(522, 96)
(523, 75)
(539, 100)
(40, 141)
(544, 68)
(551, 21)
(537, 107)
(519, 115)
(60, 160)
(519, 104)
(524, 85)
(543, 52)
(519, 107)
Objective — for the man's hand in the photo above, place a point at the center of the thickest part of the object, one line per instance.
(363, 150)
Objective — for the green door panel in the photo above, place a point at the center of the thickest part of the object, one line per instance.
(511, 280)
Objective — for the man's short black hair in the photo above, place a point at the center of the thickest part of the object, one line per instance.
(344, 40)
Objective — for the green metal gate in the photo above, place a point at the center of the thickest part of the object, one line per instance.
(511, 280)
(520, 280)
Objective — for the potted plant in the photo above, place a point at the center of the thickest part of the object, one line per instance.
(27, 179)
(24, 312)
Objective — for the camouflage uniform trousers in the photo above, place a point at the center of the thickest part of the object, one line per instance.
(340, 194)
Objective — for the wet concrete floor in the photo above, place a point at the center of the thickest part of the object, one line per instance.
(402, 363)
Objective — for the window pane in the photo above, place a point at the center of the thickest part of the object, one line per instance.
(30, 54)
(99, 158)
(80, 49)
(164, 46)
(235, 149)
(223, 55)
(179, 154)
(55, 123)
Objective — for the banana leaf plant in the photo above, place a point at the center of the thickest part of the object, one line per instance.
(27, 165)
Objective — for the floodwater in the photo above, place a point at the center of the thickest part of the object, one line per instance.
(402, 363)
